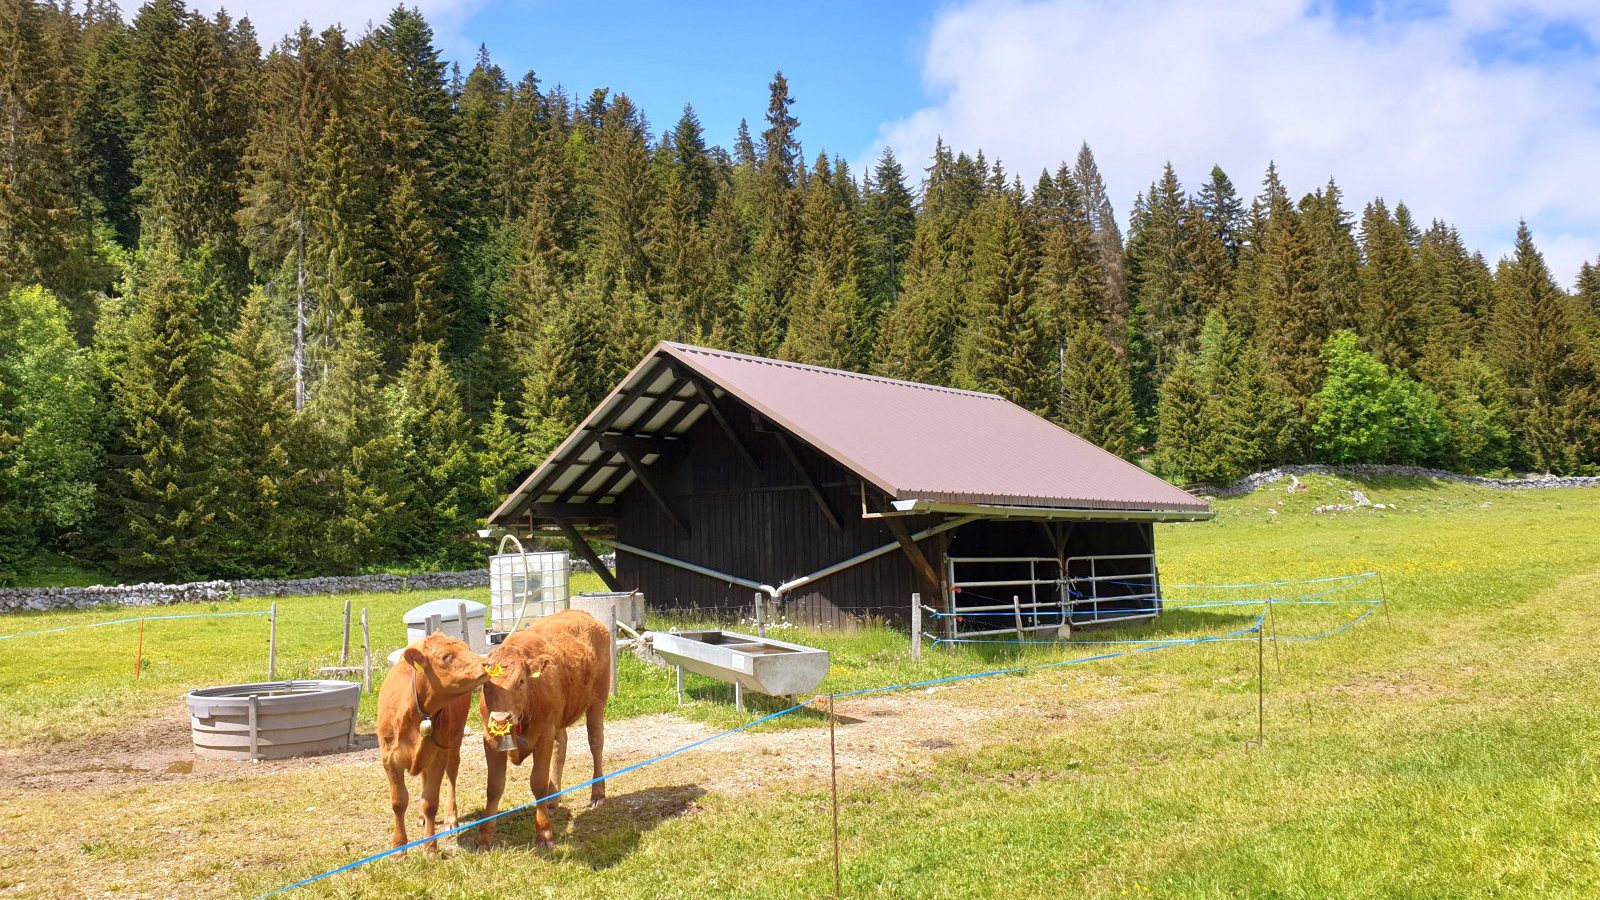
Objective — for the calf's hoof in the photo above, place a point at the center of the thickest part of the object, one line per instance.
(547, 843)
(597, 802)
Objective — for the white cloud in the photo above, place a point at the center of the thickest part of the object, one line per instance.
(273, 19)
(1389, 106)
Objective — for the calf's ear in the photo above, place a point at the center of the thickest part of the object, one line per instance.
(414, 656)
(544, 663)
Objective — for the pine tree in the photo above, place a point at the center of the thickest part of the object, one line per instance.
(830, 324)
(1108, 240)
(1290, 327)
(918, 337)
(1005, 349)
(624, 193)
(1223, 211)
(303, 88)
(1187, 447)
(266, 520)
(1389, 295)
(1071, 283)
(775, 215)
(191, 146)
(362, 456)
(501, 458)
(569, 370)
(1550, 370)
(164, 489)
(890, 224)
(40, 217)
(1335, 258)
(1096, 402)
(440, 467)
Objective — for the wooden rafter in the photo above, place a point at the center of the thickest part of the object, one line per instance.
(597, 432)
(806, 479)
(714, 406)
(645, 478)
(581, 545)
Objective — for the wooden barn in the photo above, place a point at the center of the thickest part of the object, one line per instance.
(717, 476)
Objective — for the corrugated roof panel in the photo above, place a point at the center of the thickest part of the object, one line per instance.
(917, 440)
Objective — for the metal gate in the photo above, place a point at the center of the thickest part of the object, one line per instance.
(1039, 597)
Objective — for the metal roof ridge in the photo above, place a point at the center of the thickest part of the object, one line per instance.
(805, 367)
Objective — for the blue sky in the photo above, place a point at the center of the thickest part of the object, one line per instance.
(1478, 112)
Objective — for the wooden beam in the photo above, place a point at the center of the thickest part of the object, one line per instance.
(709, 397)
(918, 560)
(597, 432)
(573, 510)
(645, 444)
(807, 480)
(643, 474)
(587, 552)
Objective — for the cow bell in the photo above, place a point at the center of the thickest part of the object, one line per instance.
(507, 743)
(427, 727)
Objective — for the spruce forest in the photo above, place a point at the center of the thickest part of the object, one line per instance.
(316, 309)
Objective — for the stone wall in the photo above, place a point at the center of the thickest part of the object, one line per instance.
(12, 599)
(1261, 479)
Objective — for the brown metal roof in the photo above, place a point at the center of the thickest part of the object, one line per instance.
(912, 441)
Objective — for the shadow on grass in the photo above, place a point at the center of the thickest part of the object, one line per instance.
(601, 838)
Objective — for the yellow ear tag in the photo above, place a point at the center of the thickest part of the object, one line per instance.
(538, 673)
(417, 666)
(494, 670)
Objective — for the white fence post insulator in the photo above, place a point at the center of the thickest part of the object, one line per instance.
(272, 660)
(344, 654)
(366, 652)
(916, 627)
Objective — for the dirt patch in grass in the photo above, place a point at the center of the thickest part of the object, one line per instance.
(1402, 690)
(148, 752)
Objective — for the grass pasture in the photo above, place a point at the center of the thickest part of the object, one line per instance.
(1450, 749)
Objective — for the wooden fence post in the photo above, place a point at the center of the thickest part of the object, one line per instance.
(916, 627)
(272, 646)
(344, 654)
(1016, 609)
(366, 651)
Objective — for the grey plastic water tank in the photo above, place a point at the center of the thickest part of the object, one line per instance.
(273, 720)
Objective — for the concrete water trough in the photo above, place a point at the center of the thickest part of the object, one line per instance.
(759, 664)
(273, 720)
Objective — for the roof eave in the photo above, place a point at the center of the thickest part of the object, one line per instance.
(1077, 514)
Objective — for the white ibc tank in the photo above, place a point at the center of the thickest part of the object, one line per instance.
(527, 585)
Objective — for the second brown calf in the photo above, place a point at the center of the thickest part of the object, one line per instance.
(555, 672)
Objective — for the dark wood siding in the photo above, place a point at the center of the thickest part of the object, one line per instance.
(765, 527)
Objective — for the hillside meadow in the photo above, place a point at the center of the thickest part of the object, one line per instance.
(1444, 746)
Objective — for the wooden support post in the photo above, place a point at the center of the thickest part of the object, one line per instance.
(916, 627)
(138, 657)
(461, 622)
(344, 654)
(583, 548)
(654, 490)
(272, 663)
(1016, 609)
(366, 652)
(833, 769)
(738, 696)
(680, 684)
(919, 561)
(761, 623)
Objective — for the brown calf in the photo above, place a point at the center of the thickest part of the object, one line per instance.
(555, 671)
(433, 683)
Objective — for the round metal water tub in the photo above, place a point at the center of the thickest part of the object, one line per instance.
(273, 720)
